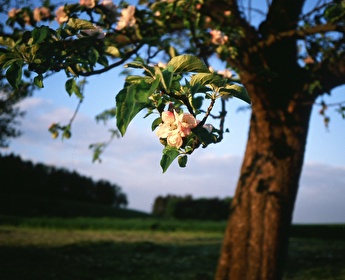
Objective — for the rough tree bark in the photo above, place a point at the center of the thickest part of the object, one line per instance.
(256, 238)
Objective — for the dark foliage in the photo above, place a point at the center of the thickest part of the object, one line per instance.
(185, 207)
(325, 232)
(45, 186)
(10, 113)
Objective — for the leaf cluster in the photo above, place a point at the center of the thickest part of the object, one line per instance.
(160, 88)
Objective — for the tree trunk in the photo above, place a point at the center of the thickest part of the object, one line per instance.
(256, 238)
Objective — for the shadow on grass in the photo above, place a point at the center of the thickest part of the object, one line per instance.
(109, 260)
(315, 259)
(308, 259)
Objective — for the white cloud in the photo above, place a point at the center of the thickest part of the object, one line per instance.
(29, 103)
(321, 194)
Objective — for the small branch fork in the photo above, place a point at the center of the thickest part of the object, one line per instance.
(221, 116)
(331, 104)
(299, 33)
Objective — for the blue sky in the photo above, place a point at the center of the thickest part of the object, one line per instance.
(132, 162)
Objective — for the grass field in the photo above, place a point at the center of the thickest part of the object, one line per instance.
(110, 248)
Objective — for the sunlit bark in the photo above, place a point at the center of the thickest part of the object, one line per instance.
(256, 238)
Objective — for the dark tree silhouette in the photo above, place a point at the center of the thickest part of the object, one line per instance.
(54, 184)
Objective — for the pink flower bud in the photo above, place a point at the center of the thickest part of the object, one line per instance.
(168, 117)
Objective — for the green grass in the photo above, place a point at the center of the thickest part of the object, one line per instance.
(107, 223)
(110, 248)
(43, 253)
(316, 259)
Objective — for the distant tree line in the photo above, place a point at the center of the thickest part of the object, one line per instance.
(185, 207)
(24, 178)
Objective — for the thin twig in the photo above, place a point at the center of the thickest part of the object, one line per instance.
(75, 112)
(209, 109)
(222, 120)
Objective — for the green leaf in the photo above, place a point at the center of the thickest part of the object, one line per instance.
(113, 51)
(103, 60)
(334, 12)
(106, 115)
(204, 136)
(169, 155)
(139, 79)
(69, 86)
(14, 73)
(206, 79)
(6, 60)
(156, 123)
(159, 75)
(72, 70)
(72, 87)
(139, 65)
(197, 102)
(172, 51)
(237, 91)
(175, 85)
(97, 151)
(130, 101)
(182, 161)
(6, 41)
(135, 64)
(79, 24)
(38, 81)
(188, 63)
(168, 75)
(93, 56)
(66, 132)
(39, 34)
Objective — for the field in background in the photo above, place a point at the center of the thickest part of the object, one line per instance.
(146, 248)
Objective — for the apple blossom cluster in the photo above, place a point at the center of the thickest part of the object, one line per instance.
(175, 127)
(218, 37)
(61, 15)
(14, 12)
(41, 13)
(226, 73)
(87, 3)
(127, 18)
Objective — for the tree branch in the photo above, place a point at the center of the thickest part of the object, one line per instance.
(331, 72)
(111, 66)
(297, 34)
